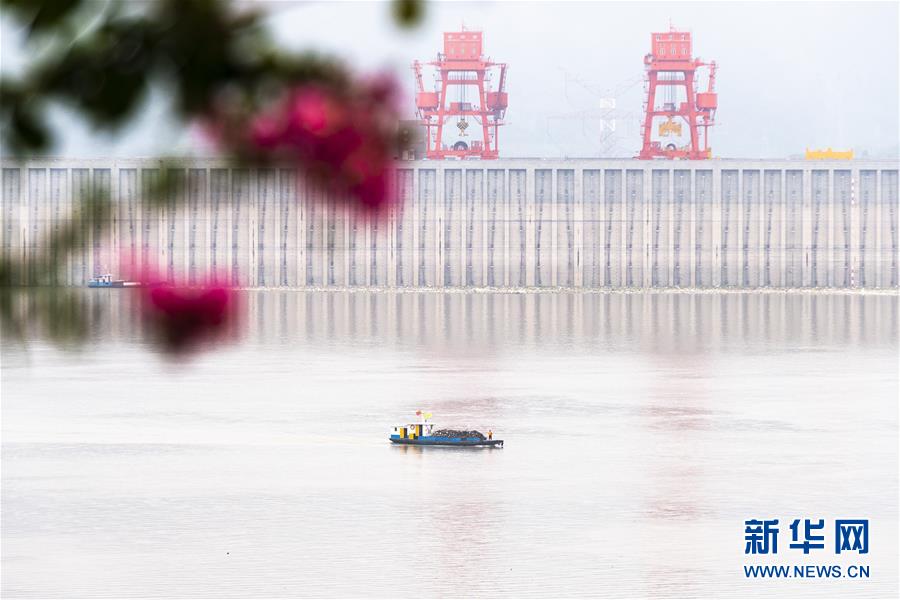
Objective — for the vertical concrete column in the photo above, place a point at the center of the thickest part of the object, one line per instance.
(196, 213)
(112, 232)
(869, 251)
(288, 233)
(682, 228)
(366, 239)
(844, 270)
(578, 227)
(669, 220)
(604, 216)
(452, 234)
(550, 224)
(819, 239)
(795, 251)
(126, 201)
(806, 221)
(542, 227)
(58, 187)
(507, 228)
(626, 232)
(398, 229)
(329, 257)
(227, 253)
(234, 220)
(690, 236)
(207, 212)
(69, 212)
(319, 229)
(317, 206)
(10, 209)
(828, 217)
(218, 193)
(32, 220)
(80, 190)
(501, 227)
(252, 228)
(731, 228)
(565, 235)
(750, 230)
(105, 230)
(375, 262)
(890, 207)
(598, 217)
(391, 244)
(406, 272)
(475, 232)
(305, 258)
(633, 246)
(702, 246)
(716, 226)
(773, 230)
(661, 248)
(854, 225)
(377, 255)
(481, 214)
(833, 255)
(529, 217)
(394, 241)
(45, 212)
(183, 224)
(646, 268)
(881, 238)
(440, 223)
(612, 218)
(413, 210)
(428, 232)
(86, 191)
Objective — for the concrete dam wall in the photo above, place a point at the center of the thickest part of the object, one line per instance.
(509, 223)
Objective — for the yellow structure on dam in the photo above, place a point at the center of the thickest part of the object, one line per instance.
(829, 154)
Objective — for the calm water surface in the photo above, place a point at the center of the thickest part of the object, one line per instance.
(641, 431)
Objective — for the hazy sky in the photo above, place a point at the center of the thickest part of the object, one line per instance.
(791, 75)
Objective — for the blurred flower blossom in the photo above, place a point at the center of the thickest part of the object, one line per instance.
(344, 138)
(184, 318)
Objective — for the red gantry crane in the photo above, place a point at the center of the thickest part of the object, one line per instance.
(466, 73)
(670, 66)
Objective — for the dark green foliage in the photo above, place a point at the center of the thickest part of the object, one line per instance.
(408, 13)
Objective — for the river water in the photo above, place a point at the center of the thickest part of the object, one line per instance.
(642, 430)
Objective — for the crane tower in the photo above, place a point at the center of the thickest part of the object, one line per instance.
(670, 66)
(462, 96)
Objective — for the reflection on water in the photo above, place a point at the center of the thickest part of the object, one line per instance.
(656, 322)
(641, 430)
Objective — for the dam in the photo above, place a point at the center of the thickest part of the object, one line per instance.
(506, 223)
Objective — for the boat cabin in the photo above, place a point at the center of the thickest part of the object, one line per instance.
(412, 431)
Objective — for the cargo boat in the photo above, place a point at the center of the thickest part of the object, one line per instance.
(424, 434)
(106, 281)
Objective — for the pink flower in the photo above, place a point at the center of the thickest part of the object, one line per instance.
(314, 112)
(184, 318)
(344, 138)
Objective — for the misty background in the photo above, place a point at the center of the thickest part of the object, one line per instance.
(791, 75)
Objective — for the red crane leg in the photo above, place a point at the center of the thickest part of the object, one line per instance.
(462, 64)
(442, 112)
